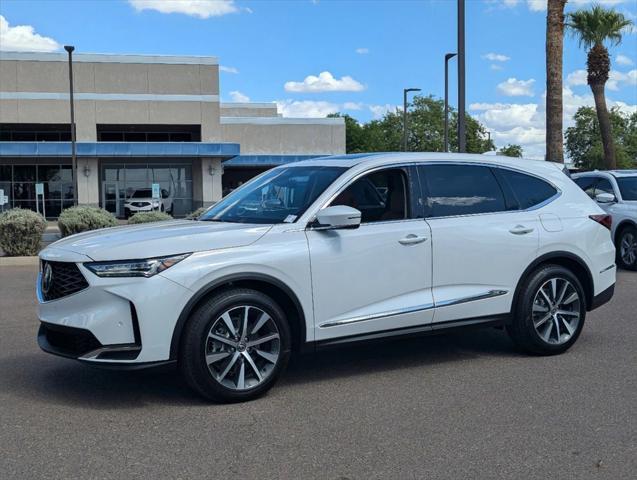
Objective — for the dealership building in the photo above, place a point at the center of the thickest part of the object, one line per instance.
(140, 120)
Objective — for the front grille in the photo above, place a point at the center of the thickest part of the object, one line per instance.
(67, 341)
(140, 204)
(65, 279)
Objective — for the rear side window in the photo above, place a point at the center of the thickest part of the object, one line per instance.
(604, 186)
(461, 190)
(529, 191)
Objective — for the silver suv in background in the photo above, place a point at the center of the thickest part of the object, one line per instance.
(616, 192)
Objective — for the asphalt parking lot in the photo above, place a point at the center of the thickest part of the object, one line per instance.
(463, 405)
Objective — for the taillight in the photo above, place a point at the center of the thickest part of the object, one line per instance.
(605, 220)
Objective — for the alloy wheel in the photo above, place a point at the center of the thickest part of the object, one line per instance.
(628, 248)
(242, 347)
(556, 311)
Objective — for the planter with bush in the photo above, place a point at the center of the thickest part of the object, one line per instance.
(196, 214)
(147, 217)
(81, 219)
(21, 232)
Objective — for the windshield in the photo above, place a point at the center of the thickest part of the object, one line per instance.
(628, 187)
(278, 196)
(145, 193)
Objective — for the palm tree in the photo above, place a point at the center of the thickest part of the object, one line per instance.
(595, 27)
(554, 49)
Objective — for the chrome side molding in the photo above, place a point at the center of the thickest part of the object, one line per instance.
(417, 308)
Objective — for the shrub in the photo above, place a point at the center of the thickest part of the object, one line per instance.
(81, 219)
(147, 217)
(21, 232)
(196, 214)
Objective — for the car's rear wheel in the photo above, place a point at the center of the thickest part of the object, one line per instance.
(550, 311)
(627, 248)
(235, 346)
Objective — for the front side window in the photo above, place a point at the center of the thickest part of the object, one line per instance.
(587, 184)
(604, 186)
(380, 196)
(280, 195)
(529, 191)
(461, 190)
(628, 188)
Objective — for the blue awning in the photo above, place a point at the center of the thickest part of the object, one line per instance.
(119, 149)
(267, 160)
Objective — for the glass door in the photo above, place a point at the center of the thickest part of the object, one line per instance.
(113, 198)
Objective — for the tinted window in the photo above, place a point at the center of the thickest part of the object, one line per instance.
(587, 184)
(529, 191)
(380, 196)
(461, 190)
(604, 186)
(144, 193)
(628, 187)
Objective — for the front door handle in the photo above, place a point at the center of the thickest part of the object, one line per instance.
(521, 230)
(412, 239)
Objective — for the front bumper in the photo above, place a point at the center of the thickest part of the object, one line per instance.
(113, 321)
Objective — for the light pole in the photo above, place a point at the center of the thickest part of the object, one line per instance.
(448, 57)
(405, 92)
(70, 48)
(462, 137)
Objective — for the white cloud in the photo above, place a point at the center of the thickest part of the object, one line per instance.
(22, 38)
(352, 106)
(525, 123)
(195, 8)
(306, 108)
(495, 66)
(540, 5)
(513, 87)
(325, 82)
(239, 97)
(226, 69)
(578, 77)
(362, 51)
(378, 111)
(496, 57)
(623, 60)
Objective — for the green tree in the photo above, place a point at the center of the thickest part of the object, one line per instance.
(425, 121)
(511, 150)
(595, 27)
(583, 140)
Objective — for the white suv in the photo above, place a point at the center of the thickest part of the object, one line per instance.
(616, 192)
(333, 251)
(142, 200)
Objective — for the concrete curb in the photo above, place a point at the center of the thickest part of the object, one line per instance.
(18, 261)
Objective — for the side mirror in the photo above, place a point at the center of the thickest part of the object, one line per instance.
(338, 216)
(605, 198)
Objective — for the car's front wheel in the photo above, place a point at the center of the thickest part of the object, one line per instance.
(235, 346)
(627, 248)
(550, 311)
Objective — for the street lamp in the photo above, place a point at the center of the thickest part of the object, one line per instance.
(405, 92)
(462, 136)
(70, 48)
(448, 57)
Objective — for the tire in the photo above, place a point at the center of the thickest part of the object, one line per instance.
(627, 248)
(238, 370)
(162, 208)
(541, 325)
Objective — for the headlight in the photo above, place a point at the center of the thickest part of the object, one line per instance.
(134, 268)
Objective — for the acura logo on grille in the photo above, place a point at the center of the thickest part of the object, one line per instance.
(47, 278)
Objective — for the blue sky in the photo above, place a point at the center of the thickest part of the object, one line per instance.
(370, 50)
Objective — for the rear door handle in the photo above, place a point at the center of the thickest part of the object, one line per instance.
(521, 230)
(412, 239)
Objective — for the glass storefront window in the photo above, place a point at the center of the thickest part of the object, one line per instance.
(119, 182)
(18, 183)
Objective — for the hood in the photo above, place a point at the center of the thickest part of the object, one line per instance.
(159, 239)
